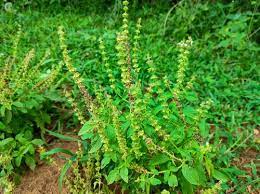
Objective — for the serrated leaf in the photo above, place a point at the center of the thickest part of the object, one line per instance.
(124, 174)
(189, 111)
(157, 109)
(20, 137)
(112, 176)
(31, 149)
(105, 161)
(110, 132)
(87, 136)
(155, 181)
(166, 175)
(186, 187)
(202, 174)
(125, 125)
(87, 127)
(96, 145)
(172, 181)
(6, 141)
(23, 150)
(8, 116)
(113, 156)
(191, 96)
(30, 161)
(159, 159)
(37, 142)
(18, 160)
(220, 176)
(18, 104)
(190, 174)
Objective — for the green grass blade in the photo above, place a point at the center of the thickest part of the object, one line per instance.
(63, 137)
(54, 151)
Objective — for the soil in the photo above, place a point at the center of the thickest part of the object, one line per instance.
(44, 179)
(247, 157)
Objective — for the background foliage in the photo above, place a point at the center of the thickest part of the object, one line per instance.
(224, 58)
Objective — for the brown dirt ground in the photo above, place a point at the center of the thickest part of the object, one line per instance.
(246, 157)
(44, 179)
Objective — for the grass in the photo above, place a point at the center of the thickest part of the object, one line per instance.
(224, 58)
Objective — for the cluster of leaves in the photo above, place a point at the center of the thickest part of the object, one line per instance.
(23, 100)
(143, 135)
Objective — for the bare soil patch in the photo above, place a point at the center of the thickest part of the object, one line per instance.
(44, 179)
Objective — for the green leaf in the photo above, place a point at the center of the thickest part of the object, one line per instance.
(30, 161)
(155, 181)
(189, 111)
(2, 126)
(20, 137)
(45, 118)
(24, 149)
(209, 166)
(201, 172)
(190, 174)
(87, 136)
(172, 181)
(53, 96)
(63, 137)
(186, 187)
(31, 149)
(6, 141)
(18, 160)
(105, 161)
(125, 125)
(37, 142)
(110, 132)
(113, 156)
(96, 145)
(166, 174)
(87, 127)
(54, 151)
(112, 176)
(157, 109)
(28, 134)
(18, 104)
(124, 174)
(7, 144)
(220, 176)
(159, 159)
(9, 116)
(191, 96)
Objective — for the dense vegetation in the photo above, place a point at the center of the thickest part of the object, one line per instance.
(166, 95)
